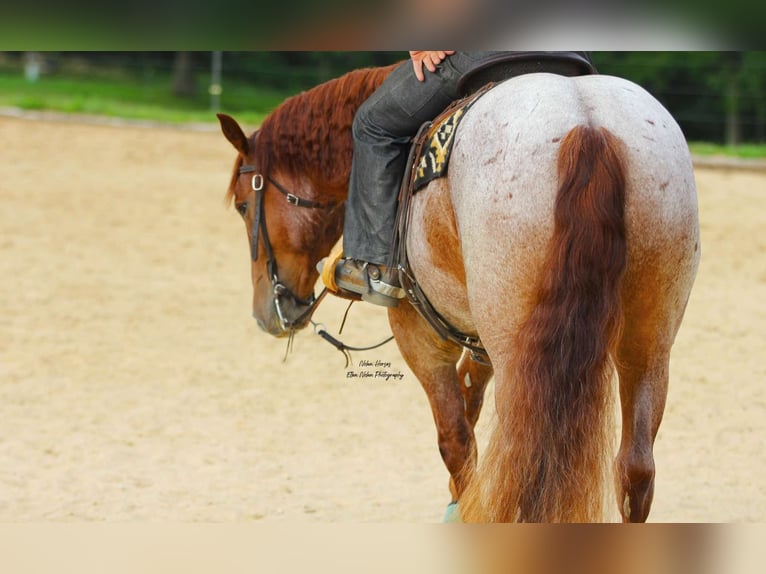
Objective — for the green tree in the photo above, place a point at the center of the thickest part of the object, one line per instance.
(715, 96)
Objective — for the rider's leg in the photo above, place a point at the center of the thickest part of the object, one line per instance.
(382, 130)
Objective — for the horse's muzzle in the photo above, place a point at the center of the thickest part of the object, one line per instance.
(273, 326)
(281, 324)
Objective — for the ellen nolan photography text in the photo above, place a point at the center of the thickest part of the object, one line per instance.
(377, 370)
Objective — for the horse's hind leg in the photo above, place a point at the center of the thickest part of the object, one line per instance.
(473, 376)
(433, 362)
(643, 388)
(643, 357)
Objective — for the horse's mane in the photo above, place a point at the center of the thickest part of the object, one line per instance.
(310, 133)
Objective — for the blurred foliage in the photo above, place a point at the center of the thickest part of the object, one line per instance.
(703, 90)
(715, 96)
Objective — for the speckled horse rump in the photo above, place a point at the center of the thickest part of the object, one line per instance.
(565, 238)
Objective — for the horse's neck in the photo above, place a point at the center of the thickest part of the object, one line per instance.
(310, 134)
(345, 96)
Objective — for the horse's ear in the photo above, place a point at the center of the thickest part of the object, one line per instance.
(233, 133)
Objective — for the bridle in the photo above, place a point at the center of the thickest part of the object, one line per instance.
(280, 291)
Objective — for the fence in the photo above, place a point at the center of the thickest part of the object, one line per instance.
(715, 96)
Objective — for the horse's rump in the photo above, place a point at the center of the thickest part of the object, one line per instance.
(496, 207)
(555, 186)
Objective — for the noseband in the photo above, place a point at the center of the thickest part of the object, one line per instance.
(279, 290)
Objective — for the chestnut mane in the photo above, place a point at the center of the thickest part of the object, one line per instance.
(310, 132)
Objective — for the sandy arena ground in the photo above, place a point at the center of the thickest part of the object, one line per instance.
(134, 385)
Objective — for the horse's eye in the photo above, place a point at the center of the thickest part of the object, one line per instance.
(241, 208)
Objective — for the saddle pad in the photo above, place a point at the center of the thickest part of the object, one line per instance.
(434, 154)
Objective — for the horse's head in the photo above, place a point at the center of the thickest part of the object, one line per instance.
(288, 232)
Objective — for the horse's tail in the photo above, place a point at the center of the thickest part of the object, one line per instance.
(548, 458)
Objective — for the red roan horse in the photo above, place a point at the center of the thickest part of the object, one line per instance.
(565, 236)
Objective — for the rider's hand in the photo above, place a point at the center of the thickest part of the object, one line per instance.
(429, 58)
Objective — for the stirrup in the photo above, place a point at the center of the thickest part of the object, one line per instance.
(326, 268)
(375, 290)
(379, 286)
(387, 290)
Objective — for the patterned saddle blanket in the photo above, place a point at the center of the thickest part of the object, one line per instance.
(434, 142)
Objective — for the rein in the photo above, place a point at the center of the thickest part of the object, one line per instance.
(321, 330)
(280, 291)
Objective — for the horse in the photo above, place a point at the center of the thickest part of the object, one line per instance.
(564, 236)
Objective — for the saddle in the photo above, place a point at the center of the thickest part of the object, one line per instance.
(507, 65)
(429, 160)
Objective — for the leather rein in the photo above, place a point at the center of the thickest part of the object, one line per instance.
(280, 291)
